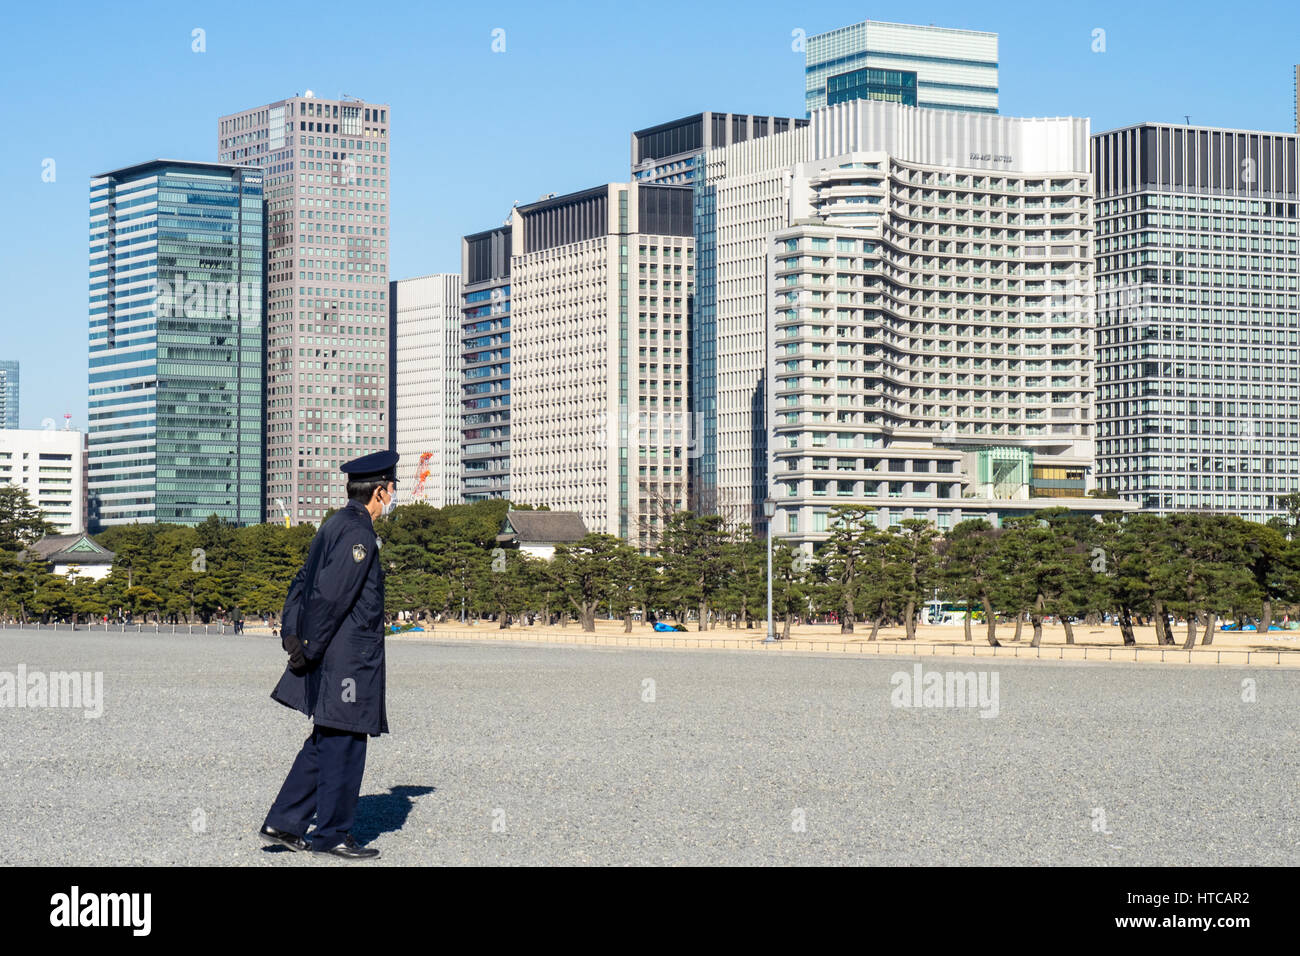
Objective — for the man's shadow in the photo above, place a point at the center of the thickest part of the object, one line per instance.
(385, 812)
(377, 813)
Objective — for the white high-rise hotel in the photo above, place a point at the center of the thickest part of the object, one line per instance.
(326, 165)
(923, 279)
(930, 320)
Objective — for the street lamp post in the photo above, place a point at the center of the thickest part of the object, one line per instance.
(769, 509)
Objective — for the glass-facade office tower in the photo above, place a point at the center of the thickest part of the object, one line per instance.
(933, 67)
(673, 154)
(485, 365)
(326, 165)
(427, 378)
(8, 394)
(175, 428)
(600, 311)
(1198, 318)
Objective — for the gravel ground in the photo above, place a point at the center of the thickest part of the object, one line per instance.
(534, 754)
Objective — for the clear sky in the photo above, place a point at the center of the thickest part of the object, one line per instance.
(97, 86)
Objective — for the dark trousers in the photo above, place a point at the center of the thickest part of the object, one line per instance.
(325, 781)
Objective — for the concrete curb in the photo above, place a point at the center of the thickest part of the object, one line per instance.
(1131, 655)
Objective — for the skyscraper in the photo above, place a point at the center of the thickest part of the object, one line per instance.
(751, 191)
(934, 67)
(600, 420)
(485, 365)
(743, 200)
(1198, 318)
(673, 154)
(8, 394)
(176, 343)
(427, 375)
(930, 335)
(327, 165)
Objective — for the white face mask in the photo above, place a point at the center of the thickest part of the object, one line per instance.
(392, 503)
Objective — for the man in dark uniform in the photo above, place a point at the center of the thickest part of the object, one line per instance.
(333, 629)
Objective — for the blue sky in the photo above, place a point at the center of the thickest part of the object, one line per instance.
(95, 87)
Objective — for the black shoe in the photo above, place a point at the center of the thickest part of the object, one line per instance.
(349, 849)
(272, 835)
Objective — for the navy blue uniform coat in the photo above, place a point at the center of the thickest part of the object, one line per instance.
(336, 608)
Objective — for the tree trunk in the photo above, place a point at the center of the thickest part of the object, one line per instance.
(1126, 627)
(785, 632)
(1210, 621)
(966, 623)
(1161, 622)
(846, 619)
(1037, 619)
(589, 619)
(990, 621)
(627, 621)
(909, 623)
(1266, 618)
(875, 626)
(1069, 630)
(1191, 631)
(703, 622)
(1020, 623)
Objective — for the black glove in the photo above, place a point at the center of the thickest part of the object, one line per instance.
(297, 659)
